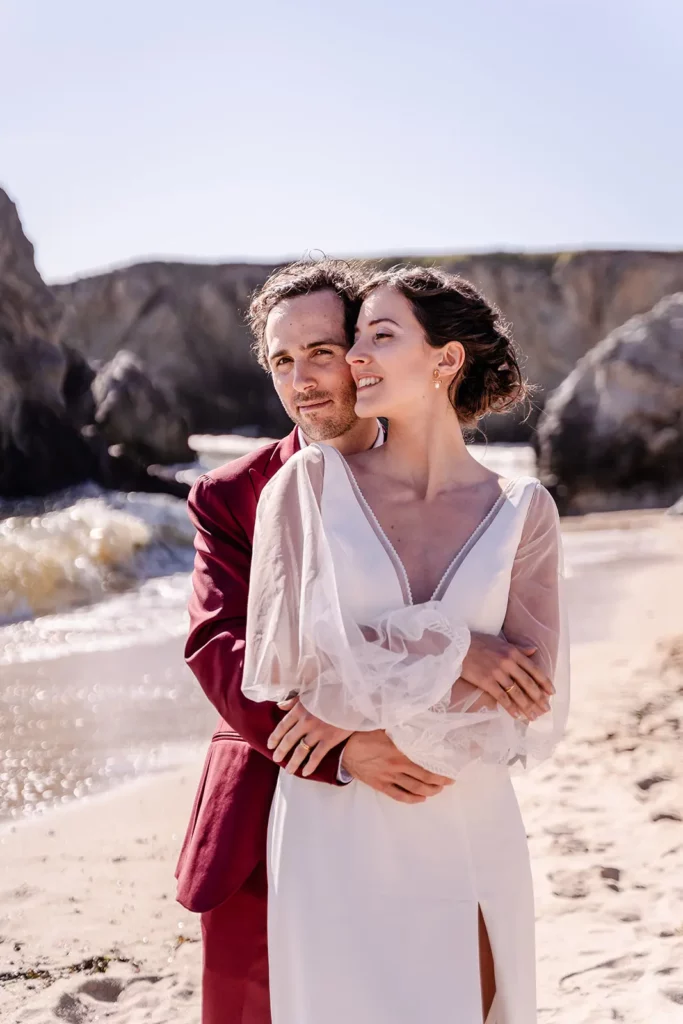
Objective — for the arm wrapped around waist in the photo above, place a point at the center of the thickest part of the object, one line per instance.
(395, 673)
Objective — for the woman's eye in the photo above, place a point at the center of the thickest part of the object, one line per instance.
(380, 335)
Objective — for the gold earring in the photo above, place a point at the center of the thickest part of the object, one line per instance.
(437, 379)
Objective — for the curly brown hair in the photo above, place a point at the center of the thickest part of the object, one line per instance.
(304, 278)
(449, 308)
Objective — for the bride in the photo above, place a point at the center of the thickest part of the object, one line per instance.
(368, 574)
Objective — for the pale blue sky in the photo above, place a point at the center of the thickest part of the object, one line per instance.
(223, 130)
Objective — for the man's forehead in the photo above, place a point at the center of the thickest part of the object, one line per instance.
(305, 319)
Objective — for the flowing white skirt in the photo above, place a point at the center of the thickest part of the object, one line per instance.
(373, 904)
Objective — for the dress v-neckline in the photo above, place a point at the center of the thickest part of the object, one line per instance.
(394, 557)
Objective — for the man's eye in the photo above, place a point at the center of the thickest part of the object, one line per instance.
(281, 361)
(322, 352)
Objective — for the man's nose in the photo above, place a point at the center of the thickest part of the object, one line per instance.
(303, 378)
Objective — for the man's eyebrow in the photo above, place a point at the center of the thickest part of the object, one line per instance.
(312, 344)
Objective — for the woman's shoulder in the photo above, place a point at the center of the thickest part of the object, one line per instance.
(529, 483)
(537, 505)
(540, 495)
(531, 497)
(519, 487)
(306, 466)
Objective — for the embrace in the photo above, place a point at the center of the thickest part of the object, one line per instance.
(377, 619)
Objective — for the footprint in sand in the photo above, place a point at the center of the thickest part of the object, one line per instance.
(118, 1000)
(106, 990)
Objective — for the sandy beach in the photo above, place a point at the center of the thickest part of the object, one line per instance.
(90, 931)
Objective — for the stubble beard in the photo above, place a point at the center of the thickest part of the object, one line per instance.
(340, 421)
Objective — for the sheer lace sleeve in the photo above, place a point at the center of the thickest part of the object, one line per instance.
(536, 615)
(357, 676)
(448, 736)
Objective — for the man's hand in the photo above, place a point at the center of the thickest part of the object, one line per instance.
(372, 758)
(305, 735)
(493, 666)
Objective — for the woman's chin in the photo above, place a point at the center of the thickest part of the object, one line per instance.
(367, 406)
(366, 411)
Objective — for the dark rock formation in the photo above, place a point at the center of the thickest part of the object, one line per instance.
(45, 403)
(139, 414)
(38, 451)
(611, 436)
(41, 310)
(47, 407)
(173, 356)
(182, 327)
(77, 387)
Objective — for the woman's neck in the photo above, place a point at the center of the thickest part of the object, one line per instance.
(430, 454)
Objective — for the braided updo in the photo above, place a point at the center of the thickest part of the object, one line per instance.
(449, 308)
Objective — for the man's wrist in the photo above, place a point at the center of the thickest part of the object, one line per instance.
(343, 774)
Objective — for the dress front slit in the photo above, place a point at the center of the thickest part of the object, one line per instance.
(487, 971)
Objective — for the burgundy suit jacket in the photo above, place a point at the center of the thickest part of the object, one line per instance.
(226, 836)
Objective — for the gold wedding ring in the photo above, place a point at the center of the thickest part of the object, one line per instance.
(305, 745)
(507, 690)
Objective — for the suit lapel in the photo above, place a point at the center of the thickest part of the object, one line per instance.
(282, 451)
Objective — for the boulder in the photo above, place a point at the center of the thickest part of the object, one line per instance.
(611, 436)
(77, 387)
(47, 438)
(182, 326)
(41, 449)
(138, 414)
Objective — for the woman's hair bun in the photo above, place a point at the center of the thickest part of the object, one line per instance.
(449, 308)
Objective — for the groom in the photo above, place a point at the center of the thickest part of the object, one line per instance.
(303, 321)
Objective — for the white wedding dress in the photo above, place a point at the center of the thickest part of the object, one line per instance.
(374, 904)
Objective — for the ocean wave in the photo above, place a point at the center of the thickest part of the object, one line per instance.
(150, 613)
(88, 545)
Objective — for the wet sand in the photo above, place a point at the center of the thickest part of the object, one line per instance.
(78, 724)
(604, 817)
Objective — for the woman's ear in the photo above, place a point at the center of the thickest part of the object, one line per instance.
(452, 359)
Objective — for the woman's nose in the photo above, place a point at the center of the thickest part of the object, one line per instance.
(356, 354)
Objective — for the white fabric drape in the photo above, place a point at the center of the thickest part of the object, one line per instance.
(397, 672)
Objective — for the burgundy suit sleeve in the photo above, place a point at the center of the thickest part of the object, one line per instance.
(218, 609)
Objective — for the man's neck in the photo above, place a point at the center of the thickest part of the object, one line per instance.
(359, 438)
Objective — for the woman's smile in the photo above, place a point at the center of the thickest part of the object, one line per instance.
(368, 382)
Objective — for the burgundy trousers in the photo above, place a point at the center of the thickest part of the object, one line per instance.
(235, 977)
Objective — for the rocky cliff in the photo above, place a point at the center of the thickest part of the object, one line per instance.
(183, 323)
(181, 326)
(48, 436)
(111, 373)
(41, 309)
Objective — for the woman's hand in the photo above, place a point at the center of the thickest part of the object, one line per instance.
(463, 691)
(309, 738)
(508, 676)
